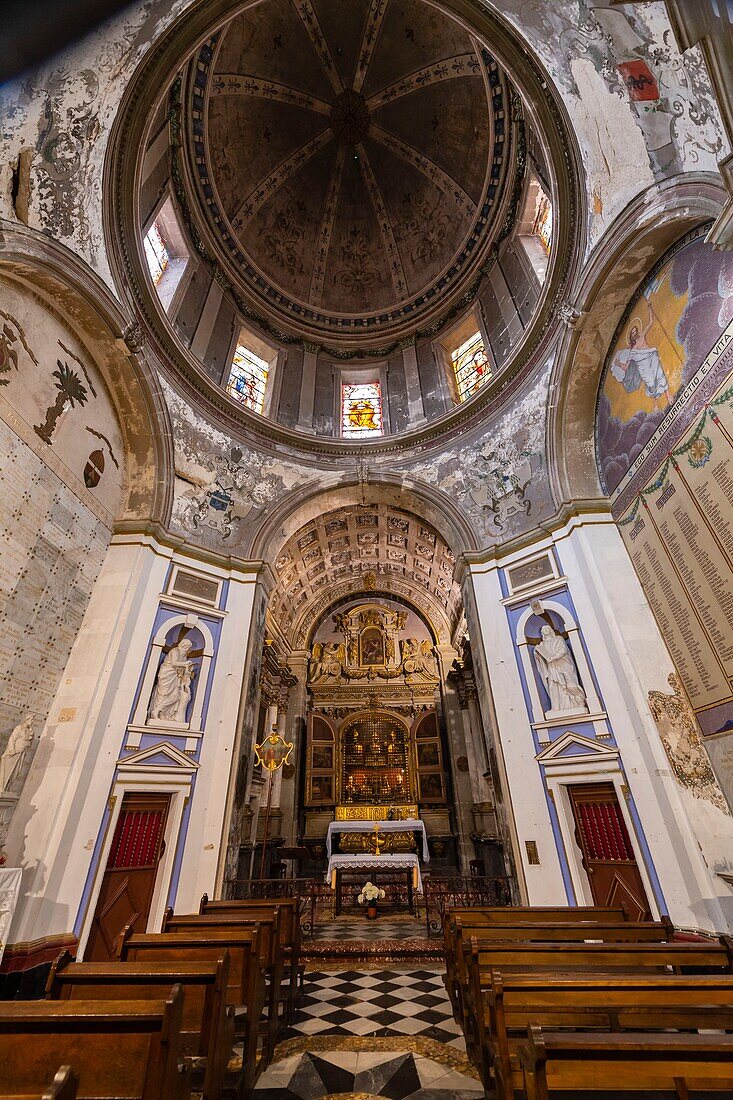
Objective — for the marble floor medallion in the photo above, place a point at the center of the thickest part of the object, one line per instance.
(380, 1034)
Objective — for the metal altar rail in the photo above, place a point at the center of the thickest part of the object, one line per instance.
(440, 894)
(308, 892)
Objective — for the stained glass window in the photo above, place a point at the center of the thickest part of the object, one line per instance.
(156, 253)
(471, 366)
(248, 378)
(361, 409)
(542, 227)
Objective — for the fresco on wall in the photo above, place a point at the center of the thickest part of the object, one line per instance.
(668, 329)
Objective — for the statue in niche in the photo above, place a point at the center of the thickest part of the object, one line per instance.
(172, 691)
(11, 761)
(557, 671)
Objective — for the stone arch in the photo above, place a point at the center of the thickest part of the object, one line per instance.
(424, 501)
(70, 290)
(640, 235)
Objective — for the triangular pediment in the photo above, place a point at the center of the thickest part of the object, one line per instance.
(162, 755)
(574, 746)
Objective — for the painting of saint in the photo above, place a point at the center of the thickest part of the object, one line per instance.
(640, 365)
(665, 333)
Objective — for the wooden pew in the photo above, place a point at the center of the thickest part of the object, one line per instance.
(481, 917)
(63, 1087)
(121, 1050)
(581, 959)
(267, 923)
(246, 986)
(293, 970)
(207, 1025)
(621, 932)
(560, 1063)
(600, 1002)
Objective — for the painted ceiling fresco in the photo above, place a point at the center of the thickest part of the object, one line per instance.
(349, 157)
(671, 324)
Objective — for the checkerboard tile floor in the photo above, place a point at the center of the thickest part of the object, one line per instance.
(376, 1003)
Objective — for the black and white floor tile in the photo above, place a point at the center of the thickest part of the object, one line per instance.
(381, 1033)
(377, 1002)
(359, 928)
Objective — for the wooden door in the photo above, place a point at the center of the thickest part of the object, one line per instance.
(129, 877)
(608, 857)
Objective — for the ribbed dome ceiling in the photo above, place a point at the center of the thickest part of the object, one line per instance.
(349, 158)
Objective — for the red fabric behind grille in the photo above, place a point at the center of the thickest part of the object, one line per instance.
(604, 831)
(135, 842)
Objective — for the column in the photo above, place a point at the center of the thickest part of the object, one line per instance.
(416, 409)
(308, 387)
(463, 795)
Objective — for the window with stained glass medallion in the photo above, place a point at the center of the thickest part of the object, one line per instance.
(361, 409)
(248, 378)
(470, 366)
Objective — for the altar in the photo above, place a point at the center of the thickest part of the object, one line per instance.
(374, 867)
(409, 825)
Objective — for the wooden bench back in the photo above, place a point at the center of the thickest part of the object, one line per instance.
(245, 967)
(289, 909)
(204, 986)
(267, 922)
(631, 957)
(121, 1050)
(622, 932)
(628, 1062)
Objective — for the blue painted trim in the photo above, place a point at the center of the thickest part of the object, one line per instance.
(180, 847)
(562, 855)
(224, 595)
(648, 861)
(93, 864)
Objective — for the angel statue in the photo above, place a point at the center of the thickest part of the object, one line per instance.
(172, 691)
(11, 761)
(417, 658)
(327, 660)
(558, 673)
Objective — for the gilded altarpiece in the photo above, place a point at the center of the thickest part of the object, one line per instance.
(372, 688)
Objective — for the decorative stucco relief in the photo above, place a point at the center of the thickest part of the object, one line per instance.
(681, 738)
(222, 487)
(500, 480)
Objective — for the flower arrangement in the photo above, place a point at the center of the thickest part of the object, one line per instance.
(370, 894)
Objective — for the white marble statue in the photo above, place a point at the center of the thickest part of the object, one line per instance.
(11, 761)
(172, 691)
(558, 673)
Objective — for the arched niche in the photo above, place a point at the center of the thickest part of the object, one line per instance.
(640, 236)
(68, 289)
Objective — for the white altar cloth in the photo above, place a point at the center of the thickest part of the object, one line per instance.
(375, 863)
(9, 891)
(410, 825)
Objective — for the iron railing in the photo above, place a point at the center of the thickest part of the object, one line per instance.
(440, 894)
(308, 892)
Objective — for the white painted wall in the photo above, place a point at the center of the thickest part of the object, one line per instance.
(57, 821)
(688, 836)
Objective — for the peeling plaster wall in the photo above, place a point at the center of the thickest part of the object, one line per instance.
(626, 141)
(64, 111)
(498, 476)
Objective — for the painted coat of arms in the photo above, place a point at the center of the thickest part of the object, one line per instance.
(498, 481)
(228, 498)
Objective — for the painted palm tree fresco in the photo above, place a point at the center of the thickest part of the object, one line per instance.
(71, 391)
